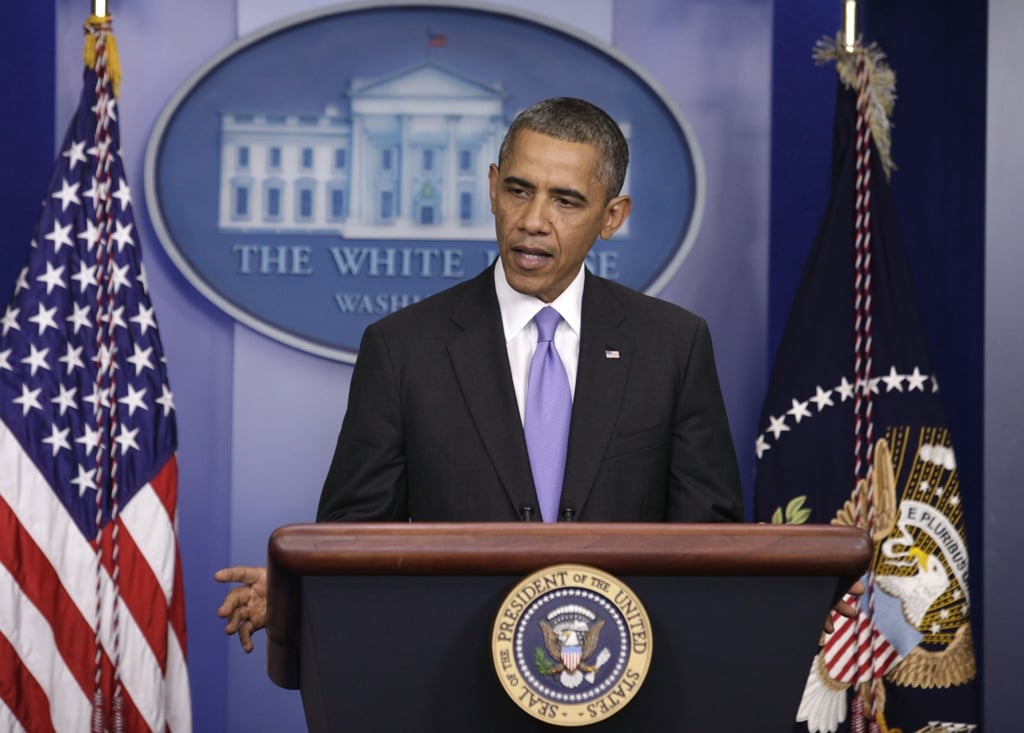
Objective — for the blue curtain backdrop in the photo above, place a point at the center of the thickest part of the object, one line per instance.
(27, 127)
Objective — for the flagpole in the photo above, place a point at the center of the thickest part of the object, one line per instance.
(850, 25)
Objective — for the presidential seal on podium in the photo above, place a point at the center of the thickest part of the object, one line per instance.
(571, 645)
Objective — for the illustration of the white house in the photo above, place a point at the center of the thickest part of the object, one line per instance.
(409, 161)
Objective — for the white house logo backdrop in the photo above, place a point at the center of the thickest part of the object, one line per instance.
(571, 645)
(332, 169)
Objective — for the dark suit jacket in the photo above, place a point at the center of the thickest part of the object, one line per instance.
(433, 433)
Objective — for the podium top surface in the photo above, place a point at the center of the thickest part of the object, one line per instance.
(516, 548)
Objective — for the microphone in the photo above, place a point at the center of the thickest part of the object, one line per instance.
(568, 514)
(526, 513)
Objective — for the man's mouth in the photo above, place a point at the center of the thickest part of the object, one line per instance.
(529, 258)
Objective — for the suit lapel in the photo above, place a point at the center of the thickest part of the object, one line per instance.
(480, 361)
(606, 352)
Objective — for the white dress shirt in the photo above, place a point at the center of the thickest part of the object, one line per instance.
(517, 312)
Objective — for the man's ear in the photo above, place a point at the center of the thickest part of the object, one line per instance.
(492, 176)
(616, 212)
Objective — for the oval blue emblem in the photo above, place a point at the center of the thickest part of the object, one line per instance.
(332, 169)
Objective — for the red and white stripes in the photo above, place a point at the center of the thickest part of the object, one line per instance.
(48, 609)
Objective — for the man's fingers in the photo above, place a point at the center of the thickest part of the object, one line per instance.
(242, 602)
(235, 609)
(245, 636)
(235, 598)
(238, 574)
(845, 609)
(239, 617)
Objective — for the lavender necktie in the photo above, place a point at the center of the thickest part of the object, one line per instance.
(548, 409)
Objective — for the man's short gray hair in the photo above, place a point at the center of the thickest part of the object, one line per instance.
(576, 121)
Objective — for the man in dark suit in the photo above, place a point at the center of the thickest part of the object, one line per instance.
(434, 429)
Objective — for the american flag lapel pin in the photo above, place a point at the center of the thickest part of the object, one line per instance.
(611, 353)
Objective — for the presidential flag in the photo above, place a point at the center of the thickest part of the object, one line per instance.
(852, 432)
(92, 623)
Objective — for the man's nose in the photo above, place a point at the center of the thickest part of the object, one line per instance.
(536, 217)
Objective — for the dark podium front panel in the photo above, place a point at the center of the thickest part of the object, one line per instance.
(388, 627)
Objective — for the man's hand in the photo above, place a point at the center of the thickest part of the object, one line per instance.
(843, 608)
(244, 607)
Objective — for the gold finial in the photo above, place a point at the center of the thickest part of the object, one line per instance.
(849, 25)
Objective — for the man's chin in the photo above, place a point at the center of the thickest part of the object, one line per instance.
(527, 283)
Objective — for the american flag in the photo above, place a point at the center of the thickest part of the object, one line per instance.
(92, 618)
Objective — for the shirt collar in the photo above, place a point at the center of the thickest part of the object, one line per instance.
(518, 309)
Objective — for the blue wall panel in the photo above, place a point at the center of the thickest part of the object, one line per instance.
(26, 132)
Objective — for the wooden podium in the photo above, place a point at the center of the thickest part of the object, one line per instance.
(387, 627)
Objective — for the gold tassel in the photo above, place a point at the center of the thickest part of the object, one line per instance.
(89, 52)
(881, 83)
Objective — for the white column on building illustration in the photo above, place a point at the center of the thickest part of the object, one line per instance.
(358, 180)
(449, 189)
(405, 169)
(289, 197)
(226, 174)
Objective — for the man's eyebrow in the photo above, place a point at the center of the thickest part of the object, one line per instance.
(570, 193)
(513, 181)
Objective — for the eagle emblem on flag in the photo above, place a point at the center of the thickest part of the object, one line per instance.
(913, 628)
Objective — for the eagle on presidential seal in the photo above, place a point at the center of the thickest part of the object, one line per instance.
(571, 635)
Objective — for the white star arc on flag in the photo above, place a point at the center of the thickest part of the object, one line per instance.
(893, 381)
